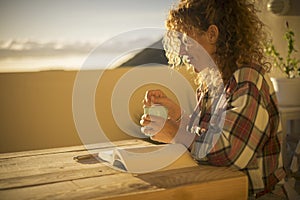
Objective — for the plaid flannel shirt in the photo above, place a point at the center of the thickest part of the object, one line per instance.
(250, 137)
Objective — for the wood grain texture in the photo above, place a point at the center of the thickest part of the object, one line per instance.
(72, 148)
(53, 174)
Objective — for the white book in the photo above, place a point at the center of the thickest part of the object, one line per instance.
(148, 158)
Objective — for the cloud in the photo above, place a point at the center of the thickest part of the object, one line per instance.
(13, 49)
(29, 48)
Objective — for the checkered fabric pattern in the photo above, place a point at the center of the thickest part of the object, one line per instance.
(251, 136)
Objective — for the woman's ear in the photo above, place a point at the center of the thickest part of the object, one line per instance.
(212, 34)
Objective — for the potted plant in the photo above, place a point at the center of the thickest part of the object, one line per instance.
(287, 88)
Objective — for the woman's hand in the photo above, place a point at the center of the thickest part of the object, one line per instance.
(158, 97)
(159, 129)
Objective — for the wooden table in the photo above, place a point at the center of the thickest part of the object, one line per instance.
(53, 174)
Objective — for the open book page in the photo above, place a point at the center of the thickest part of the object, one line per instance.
(148, 158)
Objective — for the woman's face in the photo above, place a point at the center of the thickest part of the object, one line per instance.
(198, 50)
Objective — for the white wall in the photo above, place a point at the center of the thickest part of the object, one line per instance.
(276, 26)
(36, 107)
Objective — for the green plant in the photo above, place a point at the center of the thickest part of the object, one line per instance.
(289, 66)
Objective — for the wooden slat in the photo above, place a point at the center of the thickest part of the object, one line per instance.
(55, 177)
(49, 168)
(80, 189)
(70, 149)
(46, 163)
(190, 175)
(235, 188)
(41, 164)
(124, 185)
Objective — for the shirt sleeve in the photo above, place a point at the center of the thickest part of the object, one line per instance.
(183, 136)
(243, 129)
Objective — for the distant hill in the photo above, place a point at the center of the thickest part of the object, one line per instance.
(154, 54)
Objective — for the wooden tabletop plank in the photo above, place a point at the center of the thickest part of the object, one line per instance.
(43, 164)
(71, 149)
(48, 191)
(53, 162)
(119, 186)
(80, 189)
(54, 177)
(37, 169)
(189, 175)
(214, 190)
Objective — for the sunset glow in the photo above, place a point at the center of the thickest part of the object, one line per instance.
(42, 35)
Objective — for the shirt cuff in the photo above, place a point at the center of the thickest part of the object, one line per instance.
(183, 136)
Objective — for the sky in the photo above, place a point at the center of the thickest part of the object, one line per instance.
(49, 34)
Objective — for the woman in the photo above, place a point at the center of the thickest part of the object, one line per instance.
(245, 114)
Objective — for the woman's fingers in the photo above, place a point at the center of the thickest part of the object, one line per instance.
(148, 131)
(152, 121)
(151, 95)
(158, 128)
(145, 120)
(152, 124)
(155, 93)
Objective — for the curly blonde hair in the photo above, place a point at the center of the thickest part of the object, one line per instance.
(241, 32)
